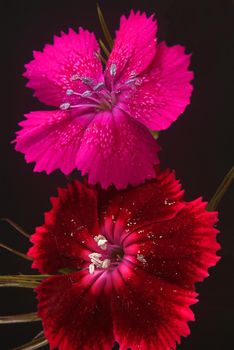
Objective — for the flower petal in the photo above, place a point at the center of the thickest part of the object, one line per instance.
(181, 249)
(157, 313)
(52, 139)
(134, 46)
(165, 88)
(66, 237)
(117, 150)
(135, 208)
(50, 71)
(73, 317)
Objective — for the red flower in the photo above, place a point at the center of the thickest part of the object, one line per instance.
(136, 255)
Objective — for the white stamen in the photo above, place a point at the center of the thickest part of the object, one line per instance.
(87, 80)
(101, 241)
(75, 77)
(106, 263)
(96, 262)
(130, 81)
(113, 69)
(91, 269)
(86, 93)
(64, 106)
(98, 86)
(69, 92)
(141, 258)
(95, 259)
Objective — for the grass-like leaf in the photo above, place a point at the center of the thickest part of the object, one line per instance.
(155, 134)
(223, 187)
(30, 317)
(104, 48)
(36, 343)
(99, 55)
(21, 281)
(16, 226)
(16, 252)
(104, 27)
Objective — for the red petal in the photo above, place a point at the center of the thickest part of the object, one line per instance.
(66, 238)
(179, 250)
(73, 317)
(150, 314)
(155, 201)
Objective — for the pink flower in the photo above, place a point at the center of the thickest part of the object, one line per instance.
(101, 122)
(134, 257)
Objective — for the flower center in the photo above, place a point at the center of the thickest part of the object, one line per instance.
(99, 96)
(111, 257)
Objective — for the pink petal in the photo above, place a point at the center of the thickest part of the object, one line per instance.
(117, 150)
(66, 238)
(51, 139)
(73, 317)
(50, 71)
(165, 88)
(134, 46)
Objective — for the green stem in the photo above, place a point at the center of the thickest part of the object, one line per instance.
(225, 184)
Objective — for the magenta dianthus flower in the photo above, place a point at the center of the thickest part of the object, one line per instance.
(102, 119)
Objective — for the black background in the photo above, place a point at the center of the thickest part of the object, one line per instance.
(199, 146)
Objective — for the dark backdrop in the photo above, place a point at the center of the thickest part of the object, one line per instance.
(199, 146)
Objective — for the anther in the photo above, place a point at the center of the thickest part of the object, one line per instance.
(87, 80)
(86, 93)
(141, 258)
(64, 106)
(113, 69)
(69, 92)
(91, 269)
(75, 77)
(98, 86)
(101, 241)
(106, 263)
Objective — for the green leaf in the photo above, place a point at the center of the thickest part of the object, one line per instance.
(223, 187)
(104, 48)
(101, 57)
(155, 134)
(104, 27)
(21, 281)
(33, 344)
(31, 317)
(16, 252)
(16, 226)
